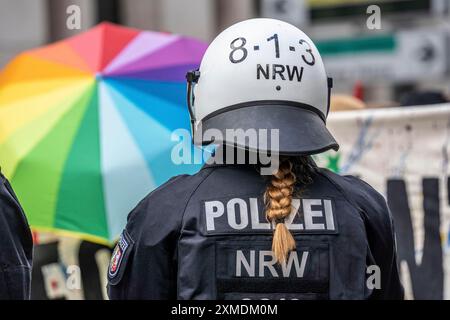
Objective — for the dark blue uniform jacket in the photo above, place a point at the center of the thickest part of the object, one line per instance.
(16, 246)
(205, 236)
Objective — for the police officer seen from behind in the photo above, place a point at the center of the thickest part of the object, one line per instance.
(233, 232)
(16, 246)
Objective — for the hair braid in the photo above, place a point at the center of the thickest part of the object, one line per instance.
(278, 198)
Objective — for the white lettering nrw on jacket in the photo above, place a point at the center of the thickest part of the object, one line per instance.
(258, 263)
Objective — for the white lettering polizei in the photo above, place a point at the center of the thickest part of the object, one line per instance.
(256, 224)
(236, 215)
(328, 214)
(310, 214)
(213, 209)
(232, 214)
(290, 219)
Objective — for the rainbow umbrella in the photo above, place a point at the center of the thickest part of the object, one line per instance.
(86, 124)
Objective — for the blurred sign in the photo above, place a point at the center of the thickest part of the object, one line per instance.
(300, 11)
(404, 154)
(68, 269)
(403, 56)
(292, 11)
(342, 9)
(324, 3)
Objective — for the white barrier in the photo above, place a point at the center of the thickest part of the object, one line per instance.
(404, 154)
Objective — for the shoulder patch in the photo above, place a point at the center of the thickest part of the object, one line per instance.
(119, 257)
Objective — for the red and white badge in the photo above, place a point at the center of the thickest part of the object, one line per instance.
(118, 255)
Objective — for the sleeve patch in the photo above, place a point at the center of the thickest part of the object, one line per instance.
(119, 258)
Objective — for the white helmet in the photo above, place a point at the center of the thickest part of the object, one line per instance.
(263, 74)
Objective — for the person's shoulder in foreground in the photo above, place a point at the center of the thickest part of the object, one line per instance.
(379, 227)
(16, 246)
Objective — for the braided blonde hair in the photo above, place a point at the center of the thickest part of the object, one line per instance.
(278, 198)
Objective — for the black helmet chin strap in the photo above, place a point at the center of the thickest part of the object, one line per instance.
(330, 86)
(192, 79)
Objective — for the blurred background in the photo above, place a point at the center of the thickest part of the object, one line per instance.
(382, 54)
(374, 62)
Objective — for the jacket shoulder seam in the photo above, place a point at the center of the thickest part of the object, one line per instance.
(189, 199)
(350, 200)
